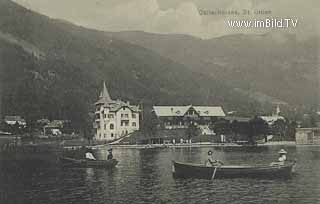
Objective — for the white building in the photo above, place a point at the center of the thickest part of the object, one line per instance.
(271, 119)
(114, 119)
(308, 136)
(12, 120)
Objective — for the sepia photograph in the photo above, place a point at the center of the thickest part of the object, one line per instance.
(159, 102)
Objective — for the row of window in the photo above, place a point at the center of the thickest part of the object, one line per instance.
(111, 126)
(112, 115)
(123, 123)
(126, 123)
(105, 136)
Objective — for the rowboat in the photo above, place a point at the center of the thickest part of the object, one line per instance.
(187, 170)
(71, 162)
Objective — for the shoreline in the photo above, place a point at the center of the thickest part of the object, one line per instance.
(78, 142)
(154, 146)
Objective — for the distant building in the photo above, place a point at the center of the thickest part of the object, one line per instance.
(308, 136)
(238, 119)
(54, 127)
(114, 119)
(175, 117)
(12, 120)
(43, 121)
(270, 119)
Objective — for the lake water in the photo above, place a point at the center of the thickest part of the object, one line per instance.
(144, 176)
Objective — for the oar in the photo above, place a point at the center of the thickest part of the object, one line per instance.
(214, 173)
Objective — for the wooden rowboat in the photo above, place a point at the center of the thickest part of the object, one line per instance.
(186, 170)
(70, 162)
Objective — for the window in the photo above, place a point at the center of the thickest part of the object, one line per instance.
(105, 135)
(133, 115)
(124, 115)
(124, 123)
(111, 134)
(134, 124)
(111, 126)
(105, 126)
(123, 108)
(110, 116)
(104, 115)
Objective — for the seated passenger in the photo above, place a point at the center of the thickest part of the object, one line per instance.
(282, 158)
(89, 155)
(211, 161)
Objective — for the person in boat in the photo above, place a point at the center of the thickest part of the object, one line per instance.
(211, 161)
(110, 155)
(282, 158)
(89, 155)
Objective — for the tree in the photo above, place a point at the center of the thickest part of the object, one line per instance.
(256, 127)
(279, 128)
(236, 128)
(88, 127)
(192, 131)
(291, 130)
(222, 127)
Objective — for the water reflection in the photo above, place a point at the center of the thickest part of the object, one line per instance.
(144, 176)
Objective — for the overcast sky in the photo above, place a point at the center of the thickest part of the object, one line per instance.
(176, 16)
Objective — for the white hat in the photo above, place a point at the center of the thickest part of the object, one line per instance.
(282, 151)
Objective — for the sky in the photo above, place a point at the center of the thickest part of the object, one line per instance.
(178, 16)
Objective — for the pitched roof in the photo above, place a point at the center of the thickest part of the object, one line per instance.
(163, 111)
(119, 104)
(104, 96)
(170, 110)
(14, 118)
(209, 110)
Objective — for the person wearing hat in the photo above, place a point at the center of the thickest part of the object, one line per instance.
(89, 155)
(211, 161)
(110, 155)
(282, 156)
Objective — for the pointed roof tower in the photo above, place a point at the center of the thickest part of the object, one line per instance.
(105, 94)
(104, 97)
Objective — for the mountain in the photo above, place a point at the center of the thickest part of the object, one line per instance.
(277, 65)
(51, 68)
